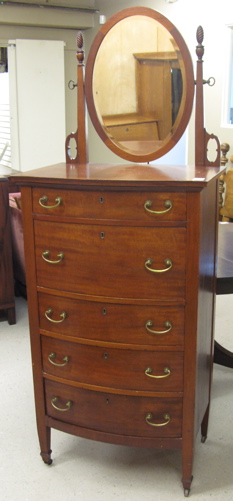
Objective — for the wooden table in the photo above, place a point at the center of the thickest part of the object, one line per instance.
(222, 356)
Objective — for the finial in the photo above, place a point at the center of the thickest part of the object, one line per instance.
(200, 48)
(80, 52)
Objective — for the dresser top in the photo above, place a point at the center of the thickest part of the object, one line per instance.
(119, 174)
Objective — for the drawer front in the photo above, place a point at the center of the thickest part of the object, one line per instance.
(130, 262)
(110, 205)
(118, 323)
(113, 368)
(135, 132)
(110, 413)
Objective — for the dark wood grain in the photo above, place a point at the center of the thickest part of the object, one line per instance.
(115, 414)
(86, 267)
(112, 322)
(114, 368)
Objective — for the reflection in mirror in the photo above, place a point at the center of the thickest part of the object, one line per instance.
(137, 83)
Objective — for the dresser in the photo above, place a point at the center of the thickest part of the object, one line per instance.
(121, 281)
(7, 300)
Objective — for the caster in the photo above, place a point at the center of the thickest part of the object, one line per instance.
(203, 439)
(48, 461)
(187, 486)
(46, 457)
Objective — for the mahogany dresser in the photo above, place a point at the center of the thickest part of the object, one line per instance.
(120, 264)
(7, 299)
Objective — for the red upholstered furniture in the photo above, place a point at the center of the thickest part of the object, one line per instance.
(17, 243)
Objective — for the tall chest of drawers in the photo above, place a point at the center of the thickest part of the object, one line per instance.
(120, 265)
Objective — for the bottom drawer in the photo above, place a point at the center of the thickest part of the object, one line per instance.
(112, 413)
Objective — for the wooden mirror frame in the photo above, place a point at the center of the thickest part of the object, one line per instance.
(187, 76)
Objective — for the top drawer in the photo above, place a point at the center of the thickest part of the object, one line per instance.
(146, 207)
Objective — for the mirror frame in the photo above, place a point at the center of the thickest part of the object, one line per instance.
(188, 84)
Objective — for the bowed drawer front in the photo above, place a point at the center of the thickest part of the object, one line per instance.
(112, 322)
(112, 413)
(111, 260)
(116, 368)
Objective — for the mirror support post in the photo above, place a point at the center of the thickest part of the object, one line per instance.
(201, 136)
(80, 135)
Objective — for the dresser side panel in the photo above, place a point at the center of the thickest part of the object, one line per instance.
(206, 298)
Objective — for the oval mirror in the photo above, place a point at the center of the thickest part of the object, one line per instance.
(139, 84)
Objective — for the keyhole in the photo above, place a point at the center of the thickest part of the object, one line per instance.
(102, 235)
(107, 400)
(101, 200)
(105, 356)
(104, 311)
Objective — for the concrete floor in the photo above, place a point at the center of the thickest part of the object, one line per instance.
(83, 470)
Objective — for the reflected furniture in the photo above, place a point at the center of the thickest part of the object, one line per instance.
(17, 244)
(7, 300)
(121, 273)
(226, 188)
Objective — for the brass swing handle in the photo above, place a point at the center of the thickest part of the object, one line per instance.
(166, 416)
(68, 405)
(46, 254)
(53, 355)
(49, 312)
(148, 204)
(166, 371)
(43, 200)
(167, 324)
(149, 262)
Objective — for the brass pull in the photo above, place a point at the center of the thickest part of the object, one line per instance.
(166, 371)
(149, 416)
(53, 355)
(46, 254)
(149, 324)
(68, 405)
(149, 262)
(148, 204)
(44, 199)
(49, 312)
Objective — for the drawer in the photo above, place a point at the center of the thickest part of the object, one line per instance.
(130, 262)
(118, 323)
(110, 205)
(111, 413)
(135, 132)
(113, 368)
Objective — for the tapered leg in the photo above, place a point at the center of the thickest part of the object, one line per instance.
(45, 441)
(187, 485)
(187, 466)
(11, 316)
(204, 425)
